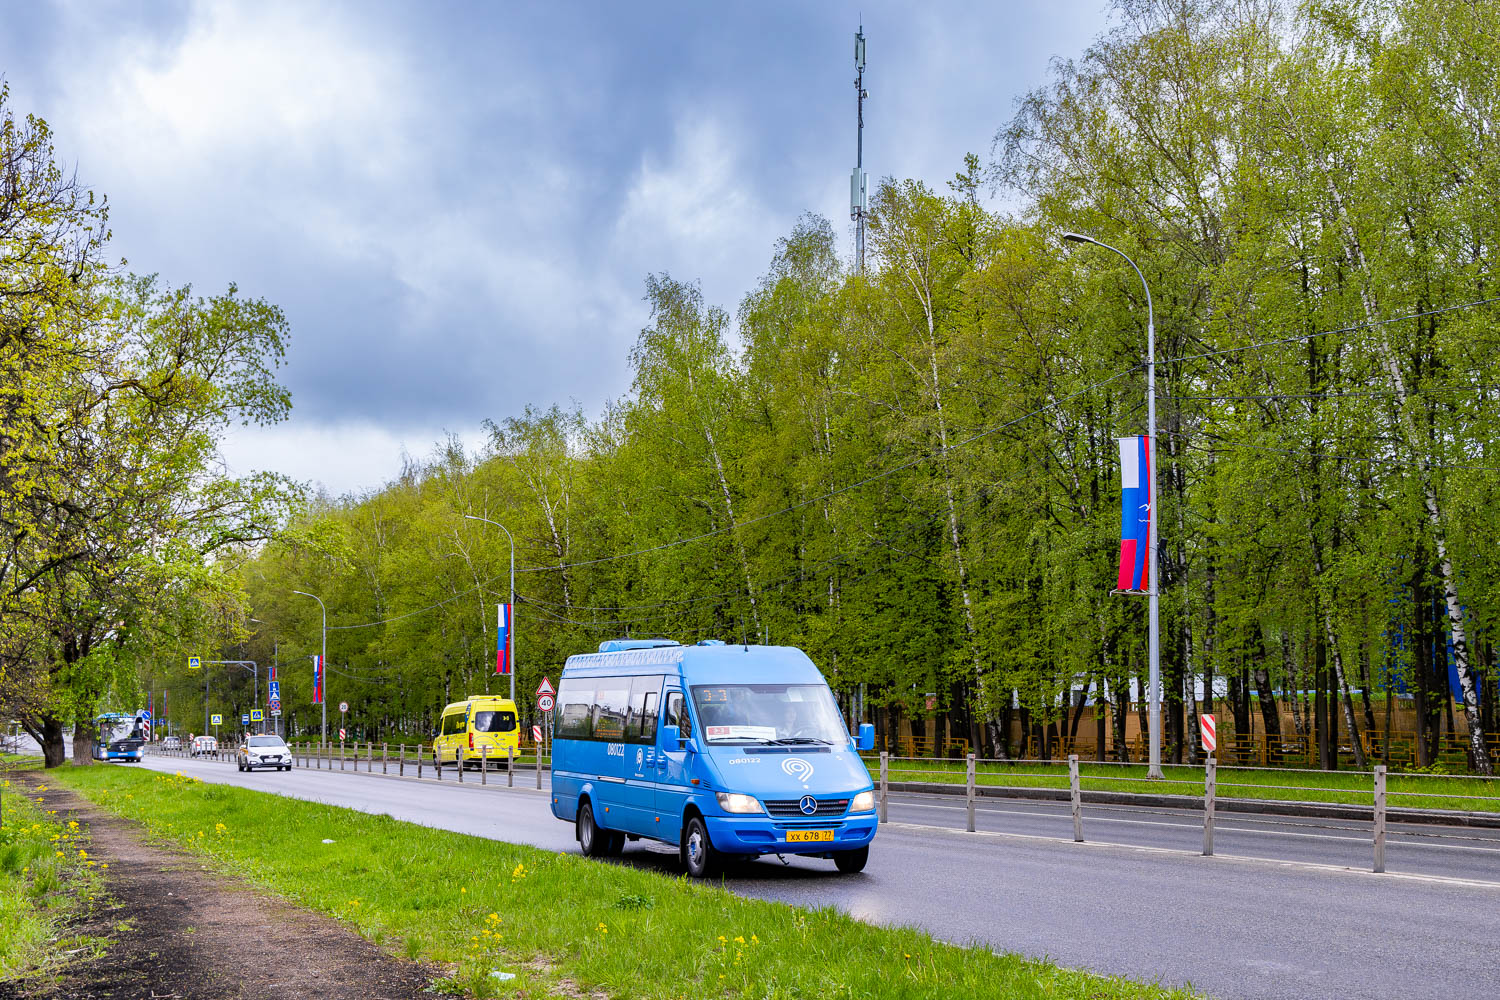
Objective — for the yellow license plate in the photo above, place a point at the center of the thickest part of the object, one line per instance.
(807, 836)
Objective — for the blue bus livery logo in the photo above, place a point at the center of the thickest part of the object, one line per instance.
(808, 805)
(798, 768)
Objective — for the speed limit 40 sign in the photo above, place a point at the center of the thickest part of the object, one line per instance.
(544, 702)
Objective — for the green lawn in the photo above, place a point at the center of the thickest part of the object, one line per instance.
(478, 906)
(1409, 791)
(46, 879)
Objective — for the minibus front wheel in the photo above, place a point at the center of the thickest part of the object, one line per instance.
(850, 862)
(596, 841)
(699, 856)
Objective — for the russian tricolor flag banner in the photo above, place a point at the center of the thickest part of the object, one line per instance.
(317, 680)
(503, 639)
(1136, 483)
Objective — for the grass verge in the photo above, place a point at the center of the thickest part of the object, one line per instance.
(562, 925)
(1405, 791)
(46, 881)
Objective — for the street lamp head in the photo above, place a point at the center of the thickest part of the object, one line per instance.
(1077, 238)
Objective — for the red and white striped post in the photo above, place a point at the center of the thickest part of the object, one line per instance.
(1208, 729)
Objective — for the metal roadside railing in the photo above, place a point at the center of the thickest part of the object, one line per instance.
(1366, 794)
(401, 760)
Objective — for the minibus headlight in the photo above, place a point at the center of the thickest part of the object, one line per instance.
(734, 802)
(863, 802)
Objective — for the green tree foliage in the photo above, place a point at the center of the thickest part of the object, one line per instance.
(911, 472)
(120, 536)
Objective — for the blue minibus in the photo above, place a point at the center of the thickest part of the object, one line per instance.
(726, 752)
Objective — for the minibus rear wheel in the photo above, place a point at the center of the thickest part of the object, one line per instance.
(596, 841)
(850, 862)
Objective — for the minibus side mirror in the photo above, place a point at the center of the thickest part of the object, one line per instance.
(866, 739)
(671, 735)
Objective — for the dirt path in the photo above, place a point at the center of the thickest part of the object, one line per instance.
(193, 935)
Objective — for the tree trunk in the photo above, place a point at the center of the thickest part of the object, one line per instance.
(1433, 510)
(1270, 715)
(83, 745)
(1320, 702)
(54, 748)
(1120, 715)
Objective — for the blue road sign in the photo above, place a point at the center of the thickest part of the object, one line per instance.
(255, 715)
(244, 720)
(273, 692)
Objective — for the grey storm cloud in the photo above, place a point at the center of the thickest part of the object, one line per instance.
(456, 204)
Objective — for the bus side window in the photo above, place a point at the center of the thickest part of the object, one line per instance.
(575, 701)
(677, 714)
(640, 726)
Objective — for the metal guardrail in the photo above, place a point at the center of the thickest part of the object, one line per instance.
(1376, 783)
(349, 756)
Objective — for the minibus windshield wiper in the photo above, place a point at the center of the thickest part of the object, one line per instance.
(797, 740)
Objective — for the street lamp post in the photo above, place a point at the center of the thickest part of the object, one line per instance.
(512, 623)
(1152, 588)
(323, 662)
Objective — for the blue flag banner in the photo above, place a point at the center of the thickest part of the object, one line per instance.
(1136, 482)
(503, 639)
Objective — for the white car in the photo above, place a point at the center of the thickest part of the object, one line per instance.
(265, 751)
(171, 743)
(205, 745)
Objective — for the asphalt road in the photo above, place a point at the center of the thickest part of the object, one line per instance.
(1137, 900)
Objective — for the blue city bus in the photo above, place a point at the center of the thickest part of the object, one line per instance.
(726, 752)
(119, 737)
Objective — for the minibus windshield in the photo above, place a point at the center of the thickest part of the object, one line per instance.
(768, 713)
(494, 722)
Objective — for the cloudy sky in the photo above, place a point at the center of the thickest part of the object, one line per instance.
(456, 203)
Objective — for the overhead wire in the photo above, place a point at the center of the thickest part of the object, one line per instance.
(805, 572)
(1398, 462)
(1337, 395)
(1353, 328)
(885, 474)
(935, 453)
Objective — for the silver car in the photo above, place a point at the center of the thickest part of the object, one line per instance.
(265, 751)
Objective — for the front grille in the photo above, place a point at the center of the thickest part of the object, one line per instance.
(792, 808)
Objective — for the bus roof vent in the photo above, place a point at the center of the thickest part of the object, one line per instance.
(620, 645)
(710, 642)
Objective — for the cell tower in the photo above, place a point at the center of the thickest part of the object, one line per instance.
(858, 195)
